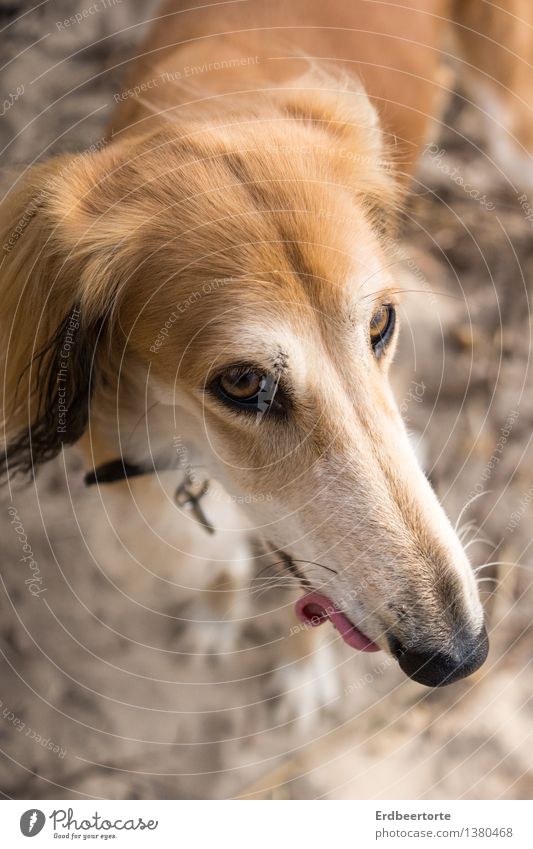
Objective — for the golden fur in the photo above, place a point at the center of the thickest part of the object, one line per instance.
(253, 202)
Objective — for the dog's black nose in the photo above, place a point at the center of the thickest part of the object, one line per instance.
(435, 669)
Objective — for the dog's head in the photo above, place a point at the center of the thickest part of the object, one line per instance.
(236, 277)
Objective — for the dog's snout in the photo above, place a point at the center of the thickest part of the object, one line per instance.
(438, 668)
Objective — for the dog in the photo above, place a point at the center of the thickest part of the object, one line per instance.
(208, 294)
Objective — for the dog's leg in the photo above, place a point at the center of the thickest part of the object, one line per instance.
(161, 557)
(495, 46)
(307, 680)
(217, 616)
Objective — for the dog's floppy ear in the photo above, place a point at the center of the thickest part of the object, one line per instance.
(58, 284)
(336, 104)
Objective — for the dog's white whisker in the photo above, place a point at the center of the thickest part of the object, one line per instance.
(496, 563)
(475, 540)
(469, 504)
(463, 530)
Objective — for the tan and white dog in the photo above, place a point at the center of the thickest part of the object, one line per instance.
(212, 289)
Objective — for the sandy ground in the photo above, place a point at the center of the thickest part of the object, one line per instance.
(97, 697)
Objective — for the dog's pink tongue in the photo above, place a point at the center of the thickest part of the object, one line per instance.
(314, 609)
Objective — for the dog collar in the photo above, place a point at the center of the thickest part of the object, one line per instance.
(188, 494)
(115, 470)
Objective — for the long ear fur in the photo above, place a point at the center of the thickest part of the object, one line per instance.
(336, 103)
(57, 290)
(63, 374)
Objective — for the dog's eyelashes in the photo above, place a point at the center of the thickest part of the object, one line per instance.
(381, 328)
(249, 389)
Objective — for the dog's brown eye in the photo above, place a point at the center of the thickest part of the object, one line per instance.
(381, 327)
(241, 386)
(250, 390)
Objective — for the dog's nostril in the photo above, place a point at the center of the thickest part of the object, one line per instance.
(436, 669)
(396, 647)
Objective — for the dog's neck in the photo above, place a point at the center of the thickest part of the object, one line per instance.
(166, 437)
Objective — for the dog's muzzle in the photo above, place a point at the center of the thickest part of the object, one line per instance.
(433, 668)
